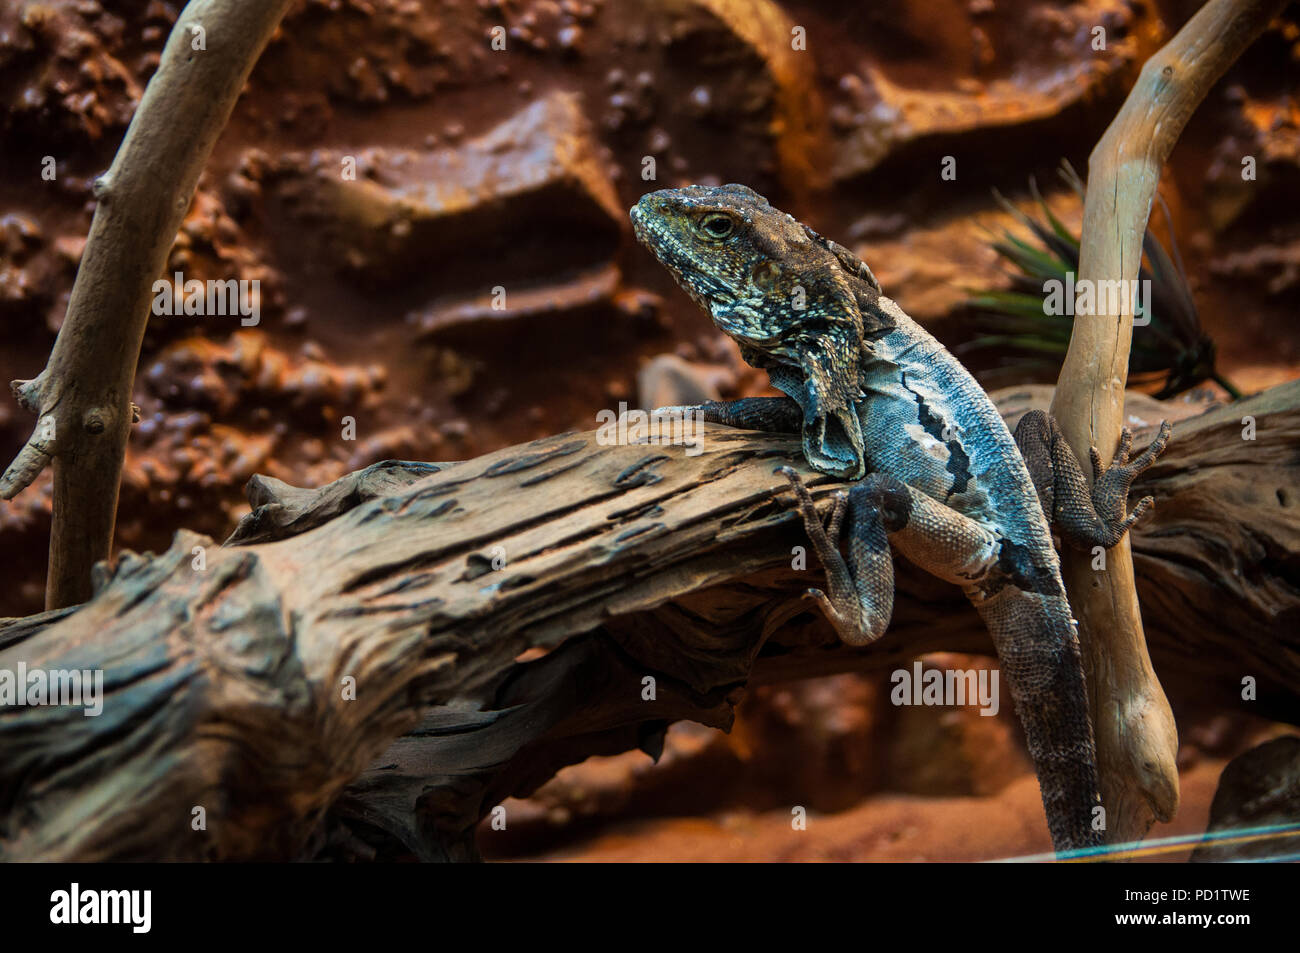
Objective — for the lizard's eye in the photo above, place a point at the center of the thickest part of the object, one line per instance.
(717, 225)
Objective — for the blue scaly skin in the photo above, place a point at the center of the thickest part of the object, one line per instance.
(940, 479)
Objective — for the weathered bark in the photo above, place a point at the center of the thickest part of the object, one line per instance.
(82, 398)
(226, 669)
(1137, 741)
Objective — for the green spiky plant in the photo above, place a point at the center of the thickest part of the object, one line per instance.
(1172, 346)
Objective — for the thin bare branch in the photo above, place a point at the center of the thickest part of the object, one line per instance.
(83, 397)
(1137, 740)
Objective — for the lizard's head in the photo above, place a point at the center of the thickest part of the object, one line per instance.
(784, 293)
(713, 241)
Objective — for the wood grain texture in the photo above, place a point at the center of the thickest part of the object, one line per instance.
(226, 685)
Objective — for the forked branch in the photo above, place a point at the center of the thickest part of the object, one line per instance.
(82, 398)
(1137, 740)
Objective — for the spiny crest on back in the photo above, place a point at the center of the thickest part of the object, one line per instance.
(851, 262)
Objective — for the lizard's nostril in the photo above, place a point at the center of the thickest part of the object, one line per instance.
(638, 218)
(652, 201)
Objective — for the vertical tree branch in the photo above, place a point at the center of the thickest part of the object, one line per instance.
(1136, 737)
(83, 397)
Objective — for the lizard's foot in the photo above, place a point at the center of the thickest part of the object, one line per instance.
(1085, 517)
(1111, 485)
(861, 598)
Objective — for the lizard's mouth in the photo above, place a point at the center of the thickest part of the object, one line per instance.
(638, 223)
(703, 288)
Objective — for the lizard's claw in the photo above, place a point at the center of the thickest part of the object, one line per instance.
(838, 619)
(1125, 445)
(1139, 511)
(1122, 471)
(1097, 468)
(1157, 447)
(1111, 486)
(823, 535)
(839, 507)
(842, 606)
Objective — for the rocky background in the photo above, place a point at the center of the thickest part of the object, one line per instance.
(481, 171)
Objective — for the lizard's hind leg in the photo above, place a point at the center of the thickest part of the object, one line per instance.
(1084, 517)
(884, 512)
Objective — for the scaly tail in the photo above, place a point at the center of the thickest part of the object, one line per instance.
(1038, 648)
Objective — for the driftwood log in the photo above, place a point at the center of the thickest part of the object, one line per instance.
(367, 669)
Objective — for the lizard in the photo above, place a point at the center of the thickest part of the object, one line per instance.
(938, 476)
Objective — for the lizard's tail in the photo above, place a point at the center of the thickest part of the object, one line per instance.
(1038, 649)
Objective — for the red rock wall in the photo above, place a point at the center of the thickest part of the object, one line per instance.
(478, 169)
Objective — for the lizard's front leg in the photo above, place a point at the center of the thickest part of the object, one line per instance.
(883, 512)
(1084, 518)
(769, 414)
